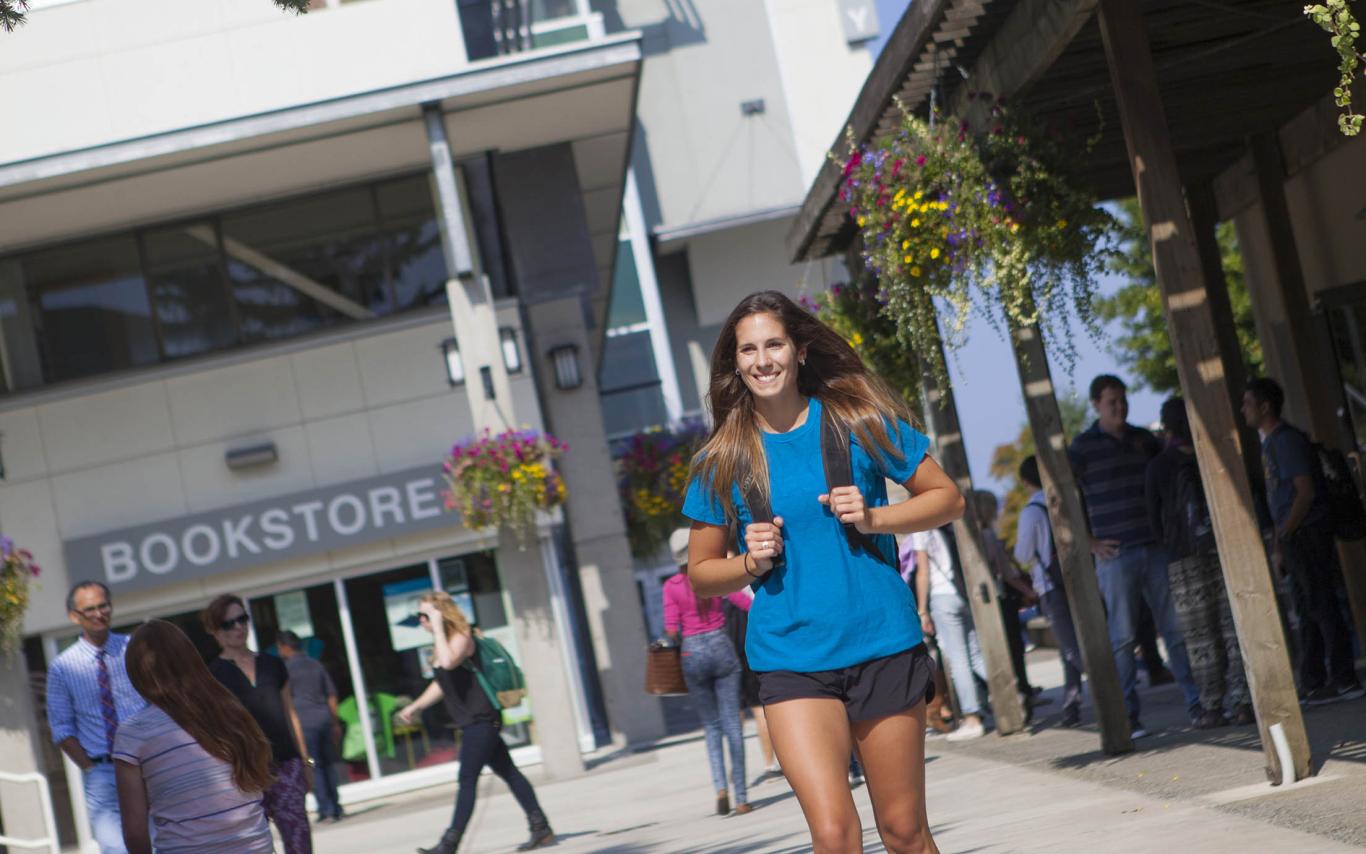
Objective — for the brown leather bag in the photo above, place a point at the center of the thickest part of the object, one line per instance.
(664, 672)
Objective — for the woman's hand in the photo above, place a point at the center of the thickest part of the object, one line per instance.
(764, 542)
(847, 503)
(407, 713)
(927, 625)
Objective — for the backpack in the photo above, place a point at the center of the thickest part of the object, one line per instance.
(498, 674)
(1186, 524)
(1054, 568)
(839, 471)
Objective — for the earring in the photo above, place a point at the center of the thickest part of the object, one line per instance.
(737, 372)
(801, 363)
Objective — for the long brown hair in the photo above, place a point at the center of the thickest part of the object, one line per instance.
(169, 673)
(861, 402)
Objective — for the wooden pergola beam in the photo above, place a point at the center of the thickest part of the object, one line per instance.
(1071, 538)
(1027, 45)
(1203, 366)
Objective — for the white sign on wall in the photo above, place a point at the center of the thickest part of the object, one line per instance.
(860, 20)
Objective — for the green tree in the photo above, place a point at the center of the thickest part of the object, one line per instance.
(12, 12)
(1006, 459)
(1143, 345)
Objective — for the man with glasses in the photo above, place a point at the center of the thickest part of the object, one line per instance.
(88, 693)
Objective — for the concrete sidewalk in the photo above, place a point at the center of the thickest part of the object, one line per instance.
(659, 801)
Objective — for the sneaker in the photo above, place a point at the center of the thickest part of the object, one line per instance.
(1136, 729)
(1071, 718)
(1209, 719)
(967, 732)
(743, 809)
(1321, 696)
(855, 779)
(1350, 691)
(1243, 715)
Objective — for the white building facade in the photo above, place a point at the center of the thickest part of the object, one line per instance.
(258, 273)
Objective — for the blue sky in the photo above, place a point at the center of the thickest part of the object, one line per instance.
(990, 404)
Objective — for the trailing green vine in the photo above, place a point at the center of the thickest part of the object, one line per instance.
(13, 13)
(855, 311)
(1335, 17)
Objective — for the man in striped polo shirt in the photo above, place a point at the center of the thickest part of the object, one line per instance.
(1110, 460)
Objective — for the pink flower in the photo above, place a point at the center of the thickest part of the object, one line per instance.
(920, 161)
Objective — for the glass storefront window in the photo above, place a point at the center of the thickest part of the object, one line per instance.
(94, 315)
(409, 218)
(188, 291)
(395, 662)
(1347, 322)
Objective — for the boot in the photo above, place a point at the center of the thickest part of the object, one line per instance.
(450, 840)
(541, 834)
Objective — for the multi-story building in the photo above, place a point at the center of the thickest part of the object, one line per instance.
(259, 271)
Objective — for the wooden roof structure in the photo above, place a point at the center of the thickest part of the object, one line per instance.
(1227, 69)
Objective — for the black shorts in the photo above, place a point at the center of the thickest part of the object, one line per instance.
(871, 690)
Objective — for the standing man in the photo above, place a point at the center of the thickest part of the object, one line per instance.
(1034, 549)
(1111, 461)
(1303, 547)
(1180, 520)
(315, 701)
(88, 693)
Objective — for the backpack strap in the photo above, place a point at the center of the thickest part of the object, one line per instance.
(839, 471)
(759, 509)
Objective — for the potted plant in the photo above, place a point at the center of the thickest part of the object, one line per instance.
(652, 478)
(17, 571)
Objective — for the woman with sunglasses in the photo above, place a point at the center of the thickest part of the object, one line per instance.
(481, 742)
(259, 680)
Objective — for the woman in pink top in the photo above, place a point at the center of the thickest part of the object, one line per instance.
(712, 670)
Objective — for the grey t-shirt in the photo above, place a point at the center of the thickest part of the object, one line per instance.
(310, 686)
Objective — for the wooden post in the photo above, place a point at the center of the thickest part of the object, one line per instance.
(1071, 539)
(1202, 368)
(1310, 348)
(942, 414)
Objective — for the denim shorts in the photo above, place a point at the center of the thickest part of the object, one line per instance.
(871, 690)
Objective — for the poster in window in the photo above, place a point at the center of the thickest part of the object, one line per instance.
(292, 614)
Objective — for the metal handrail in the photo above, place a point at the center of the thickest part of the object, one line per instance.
(49, 820)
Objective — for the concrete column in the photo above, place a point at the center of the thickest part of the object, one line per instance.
(542, 656)
(21, 807)
(467, 292)
(597, 529)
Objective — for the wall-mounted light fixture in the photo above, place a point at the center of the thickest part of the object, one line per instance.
(512, 354)
(486, 376)
(565, 358)
(250, 456)
(450, 356)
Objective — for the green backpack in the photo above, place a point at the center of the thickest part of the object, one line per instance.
(498, 674)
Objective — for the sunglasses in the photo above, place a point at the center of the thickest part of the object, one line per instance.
(236, 621)
(422, 617)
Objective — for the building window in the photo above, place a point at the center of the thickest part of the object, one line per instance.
(258, 274)
(94, 314)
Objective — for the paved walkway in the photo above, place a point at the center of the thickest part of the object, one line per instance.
(659, 801)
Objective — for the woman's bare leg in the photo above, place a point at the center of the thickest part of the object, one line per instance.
(892, 750)
(811, 736)
(765, 741)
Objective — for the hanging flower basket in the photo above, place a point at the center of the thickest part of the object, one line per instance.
(953, 218)
(503, 480)
(17, 571)
(652, 478)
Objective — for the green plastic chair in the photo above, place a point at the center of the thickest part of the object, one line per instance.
(382, 706)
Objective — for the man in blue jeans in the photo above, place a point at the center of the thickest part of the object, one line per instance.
(315, 702)
(88, 693)
(1110, 460)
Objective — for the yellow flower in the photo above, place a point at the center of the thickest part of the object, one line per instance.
(915, 223)
(1062, 223)
(906, 244)
(862, 221)
(915, 272)
(857, 340)
(934, 253)
(1014, 227)
(919, 194)
(907, 259)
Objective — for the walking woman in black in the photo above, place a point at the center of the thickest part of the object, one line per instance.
(833, 633)
(480, 724)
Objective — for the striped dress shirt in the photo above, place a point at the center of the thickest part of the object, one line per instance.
(73, 693)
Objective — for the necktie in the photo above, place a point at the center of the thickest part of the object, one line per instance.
(107, 709)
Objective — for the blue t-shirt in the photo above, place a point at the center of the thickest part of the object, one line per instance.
(1286, 455)
(826, 607)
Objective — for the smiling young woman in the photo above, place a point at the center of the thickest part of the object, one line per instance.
(834, 635)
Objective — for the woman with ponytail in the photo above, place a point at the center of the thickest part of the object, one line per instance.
(834, 633)
(193, 761)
